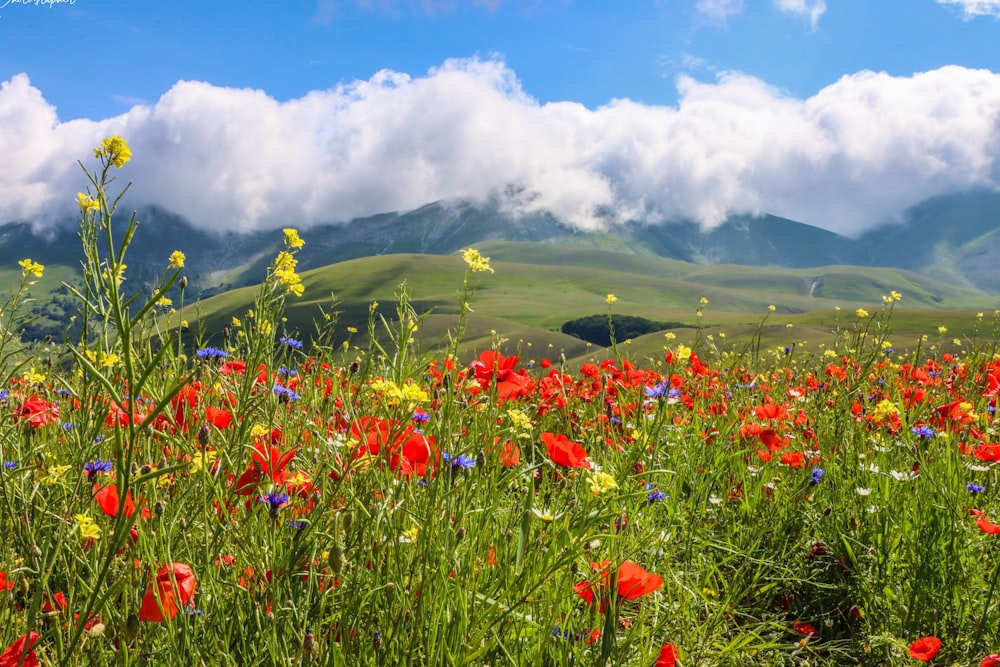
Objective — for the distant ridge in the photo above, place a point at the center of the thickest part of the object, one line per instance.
(953, 240)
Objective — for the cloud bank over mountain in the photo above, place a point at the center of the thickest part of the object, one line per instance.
(859, 152)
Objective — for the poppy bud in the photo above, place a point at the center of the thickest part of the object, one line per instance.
(183, 282)
(204, 433)
(354, 367)
(131, 626)
(460, 534)
(348, 519)
(335, 559)
(159, 507)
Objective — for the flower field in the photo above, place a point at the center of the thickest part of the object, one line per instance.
(276, 498)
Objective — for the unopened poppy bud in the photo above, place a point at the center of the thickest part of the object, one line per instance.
(159, 507)
(460, 534)
(183, 282)
(204, 433)
(354, 367)
(131, 627)
(335, 559)
(348, 520)
(481, 459)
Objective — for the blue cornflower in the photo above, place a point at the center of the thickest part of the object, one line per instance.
(421, 417)
(275, 499)
(67, 426)
(291, 343)
(98, 439)
(923, 431)
(287, 371)
(94, 467)
(10, 465)
(817, 473)
(99, 465)
(64, 392)
(297, 525)
(284, 394)
(654, 495)
(975, 488)
(4, 394)
(460, 461)
(211, 353)
(657, 390)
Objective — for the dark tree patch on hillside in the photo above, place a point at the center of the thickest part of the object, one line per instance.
(594, 328)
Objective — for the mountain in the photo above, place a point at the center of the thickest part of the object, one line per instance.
(953, 240)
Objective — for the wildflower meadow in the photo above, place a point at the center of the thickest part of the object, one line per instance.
(265, 496)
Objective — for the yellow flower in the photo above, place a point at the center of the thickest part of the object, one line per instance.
(88, 527)
(164, 302)
(601, 482)
(177, 260)
(942, 330)
(292, 239)
(770, 308)
(29, 267)
(703, 301)
(87, 203)
(410, 535)
(32, 377)
(477, 263)
(611, 299)
(56, 474)
(115, 150)
(861, 313)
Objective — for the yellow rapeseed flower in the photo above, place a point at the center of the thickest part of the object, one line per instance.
(87, 203)
(29, 267)
(942, 330)
(176, 260)
(477, 263)
(611, 299)
(292, 238)
(115, 150)
(861, 312)
(88, 527)
(601, 482)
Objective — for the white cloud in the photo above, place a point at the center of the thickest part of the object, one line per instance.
(859, 152)
(810, 9)
(973, 8)
(719, 10)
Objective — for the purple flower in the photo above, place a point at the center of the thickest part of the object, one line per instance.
(975, 488)
(817, 473)
(211, 353)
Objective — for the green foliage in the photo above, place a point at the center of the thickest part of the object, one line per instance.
(594, 328)
(379, 495)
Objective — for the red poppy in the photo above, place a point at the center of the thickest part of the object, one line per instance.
(988, 527)
(18, 654)
(804, 628)
(107, 497)
(218, 417)
(510, 454)
(172, 589)
(925, 648)
(565, 453)
(668, 656)
(56, 603)
(5, 583)
(38, 412)
(992, 660)
(634, 581)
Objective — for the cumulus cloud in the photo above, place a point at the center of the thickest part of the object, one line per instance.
(719, 10)
(859, 152)
(973, 8)
(810, 9)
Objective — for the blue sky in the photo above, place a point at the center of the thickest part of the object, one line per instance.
(582, 105)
